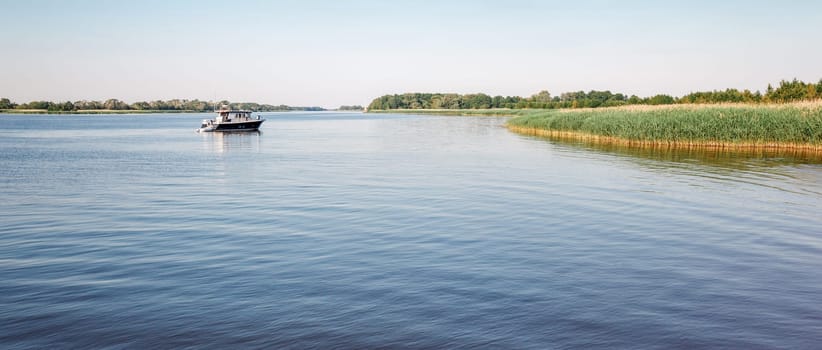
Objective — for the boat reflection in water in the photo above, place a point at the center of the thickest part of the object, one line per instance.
(223, 142)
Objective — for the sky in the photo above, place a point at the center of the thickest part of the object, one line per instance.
(332, 53)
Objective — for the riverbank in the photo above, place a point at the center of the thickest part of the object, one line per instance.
(789, 126)
(795, 125)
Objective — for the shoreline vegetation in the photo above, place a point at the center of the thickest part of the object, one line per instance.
(795, 126)
(94, 111)
(788, 117)
(494, 112)
(787, 91)
(115, 106)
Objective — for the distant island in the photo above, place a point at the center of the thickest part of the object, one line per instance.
(118, 106)
(786, 117)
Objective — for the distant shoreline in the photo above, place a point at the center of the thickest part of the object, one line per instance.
(102, 111)
(496, 112)
(94, 111)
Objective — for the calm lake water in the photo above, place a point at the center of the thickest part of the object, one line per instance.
(333, 230)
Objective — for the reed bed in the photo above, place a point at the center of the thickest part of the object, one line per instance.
(796, 125)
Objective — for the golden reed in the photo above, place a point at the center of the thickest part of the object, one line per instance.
(573, 135)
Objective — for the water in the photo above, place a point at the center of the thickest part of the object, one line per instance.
(393, 231)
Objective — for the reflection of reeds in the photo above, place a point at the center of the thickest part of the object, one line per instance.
(721, 158)
(792, 126)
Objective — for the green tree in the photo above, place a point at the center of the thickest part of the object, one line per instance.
(498, 102)
(542, 97)
(451, 101)
(142, 105)
(115, 104)
(477, 101)
(811, 92)
(38, 105)
(661, 100)
(83, 104)
(6, 104)
(789, 91)
(64, 107)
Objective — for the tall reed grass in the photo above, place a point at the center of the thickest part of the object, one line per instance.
(789, 125)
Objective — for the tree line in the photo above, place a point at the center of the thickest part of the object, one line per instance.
(787, 91)
(170, 105)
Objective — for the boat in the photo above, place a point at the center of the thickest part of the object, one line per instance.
(231, 120)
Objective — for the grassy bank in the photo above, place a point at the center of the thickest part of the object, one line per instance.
(796, 125)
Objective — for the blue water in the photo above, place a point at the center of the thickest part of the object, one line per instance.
(332, 230)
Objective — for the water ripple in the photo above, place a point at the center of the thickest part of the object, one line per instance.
(383, 231)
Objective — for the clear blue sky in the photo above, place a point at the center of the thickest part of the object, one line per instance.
(328, 53)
